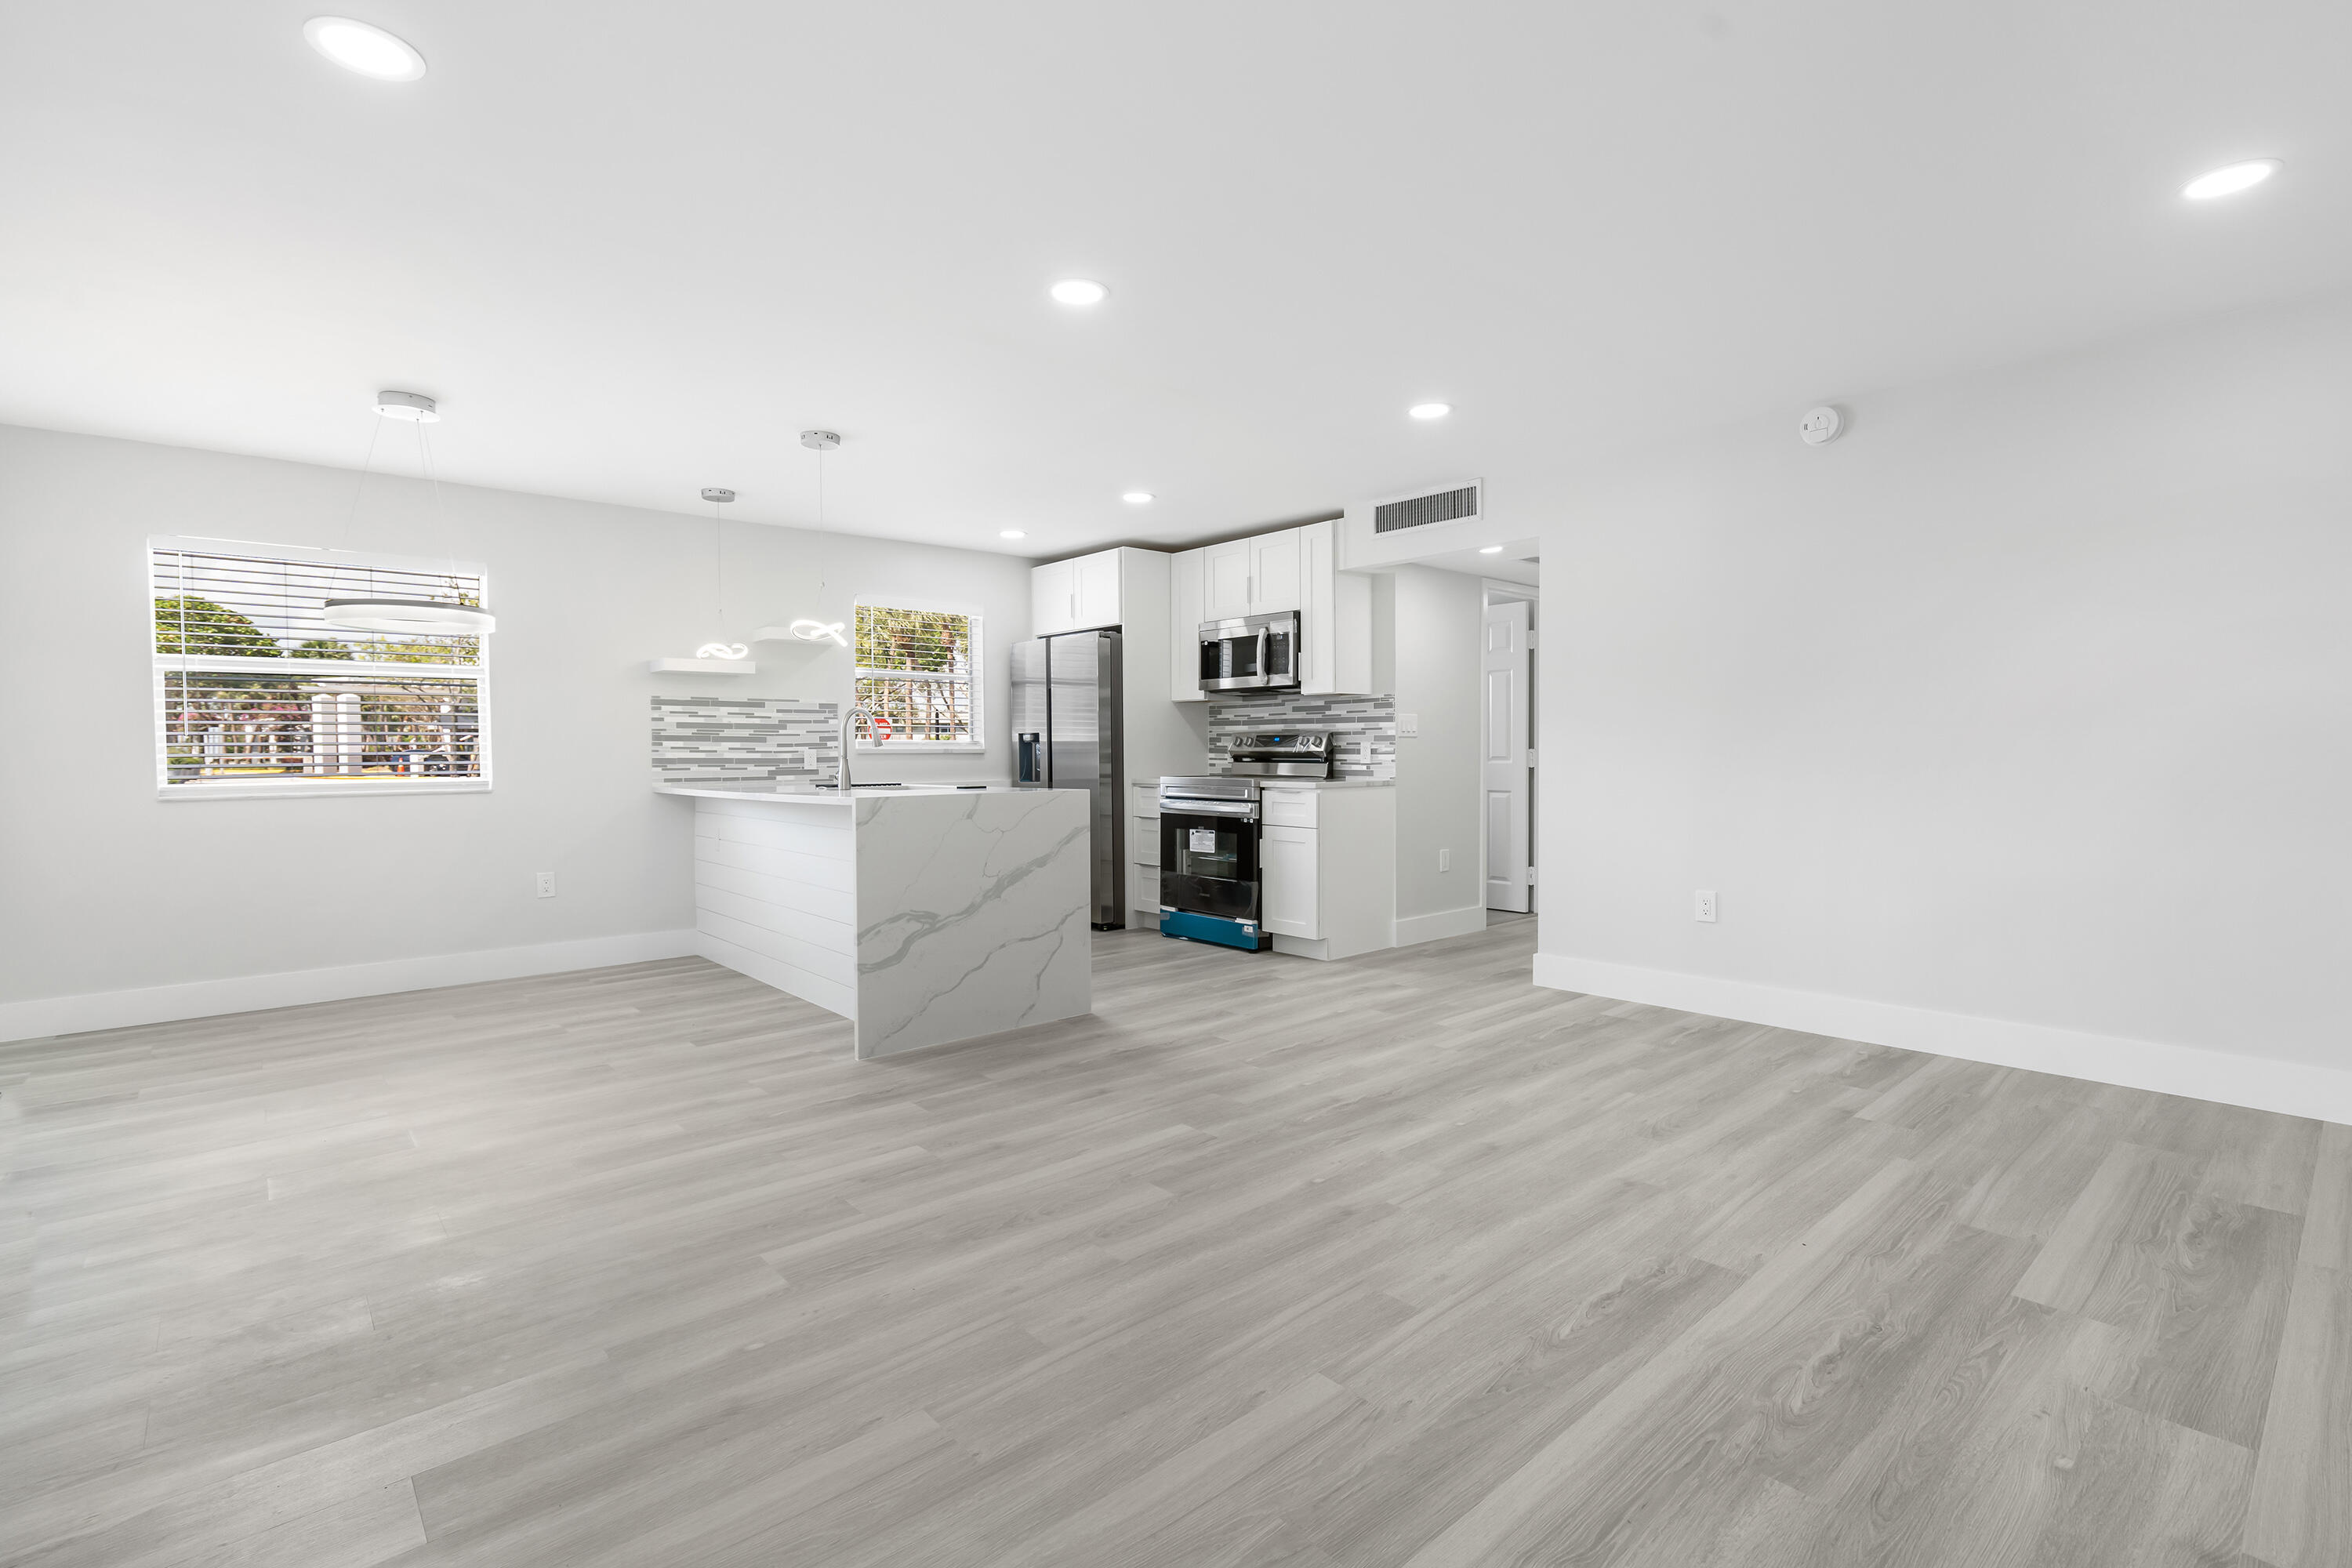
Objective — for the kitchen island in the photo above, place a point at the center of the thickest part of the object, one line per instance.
(923, 913)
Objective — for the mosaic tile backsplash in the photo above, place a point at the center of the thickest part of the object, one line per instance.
(1363, 729)
(701, 740)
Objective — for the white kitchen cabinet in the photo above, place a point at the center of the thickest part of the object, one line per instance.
(1188, 606)
(1098, 590)
(1053, 598)
(1289, 897)
(1077, 596)
(1229, 580)
(1335, 618)
(1327, 869)
(1274, 568)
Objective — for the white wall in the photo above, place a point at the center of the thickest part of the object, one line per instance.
(1439, 626)
(2020, 718)
(105, 888)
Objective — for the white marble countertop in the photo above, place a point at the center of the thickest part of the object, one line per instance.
(765, 790)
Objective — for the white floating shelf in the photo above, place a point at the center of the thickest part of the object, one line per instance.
(701, 665)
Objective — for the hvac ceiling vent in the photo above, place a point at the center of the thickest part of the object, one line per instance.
(1419, 511)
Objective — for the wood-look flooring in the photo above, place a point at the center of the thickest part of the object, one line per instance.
(1394, 1261)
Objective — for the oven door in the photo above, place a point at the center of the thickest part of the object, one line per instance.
(1250, 654)
(1209, 872)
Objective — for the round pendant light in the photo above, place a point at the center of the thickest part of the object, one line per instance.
(398, 614)
(376, 613)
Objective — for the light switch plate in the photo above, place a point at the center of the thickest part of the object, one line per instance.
(1409, 724)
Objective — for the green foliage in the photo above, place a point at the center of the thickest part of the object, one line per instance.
(199, 627)
(913, 640)
(318, 647)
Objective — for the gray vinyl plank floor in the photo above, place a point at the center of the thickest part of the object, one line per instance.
(1395, 1261)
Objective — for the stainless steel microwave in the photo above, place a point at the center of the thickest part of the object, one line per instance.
(1250, 653)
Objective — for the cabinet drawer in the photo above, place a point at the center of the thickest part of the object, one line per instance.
(1146, 841)
(1288, 808)
(1146, 799)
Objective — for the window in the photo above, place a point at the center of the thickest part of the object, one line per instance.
(256, 695)
(918, 674)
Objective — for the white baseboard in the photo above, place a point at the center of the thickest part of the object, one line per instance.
(2262, 1083)
(1412, 929)
(48, 1015)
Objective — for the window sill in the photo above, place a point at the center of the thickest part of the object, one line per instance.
(317, 789)
(920, 747)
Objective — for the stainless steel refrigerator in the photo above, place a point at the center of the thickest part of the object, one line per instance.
(1066, 735)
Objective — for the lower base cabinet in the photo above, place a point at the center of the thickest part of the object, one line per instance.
(1290, 900)
(1326, 870)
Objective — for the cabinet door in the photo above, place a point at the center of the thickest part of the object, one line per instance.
(1053, 598)
(1188, 606)
(1229, 580)
(1288, 904)
(1097, 590)
(1274, 572)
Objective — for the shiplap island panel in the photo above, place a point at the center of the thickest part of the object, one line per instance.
(925, 915)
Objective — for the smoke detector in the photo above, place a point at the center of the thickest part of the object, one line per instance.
(1820, 425)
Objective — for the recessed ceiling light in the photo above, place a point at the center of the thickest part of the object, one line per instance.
(1011, 533)
(1430, 410)
(1490, 549)
(1080, 291)
(371, 51)
(1137, 498)
(2231, 180)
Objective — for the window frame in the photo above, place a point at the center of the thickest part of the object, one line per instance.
(311, 786)
(857, 672)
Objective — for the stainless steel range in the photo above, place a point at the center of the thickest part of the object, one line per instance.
(1208, 882)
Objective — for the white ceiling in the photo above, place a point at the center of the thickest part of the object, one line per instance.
(636, 249)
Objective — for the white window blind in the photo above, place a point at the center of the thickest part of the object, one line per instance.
(917, 673)
(255, 694)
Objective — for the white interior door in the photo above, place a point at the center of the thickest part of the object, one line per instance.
(1508, 782)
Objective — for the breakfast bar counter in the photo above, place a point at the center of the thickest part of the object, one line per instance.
(924, 914)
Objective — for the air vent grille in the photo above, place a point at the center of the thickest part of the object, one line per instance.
(1420, 511)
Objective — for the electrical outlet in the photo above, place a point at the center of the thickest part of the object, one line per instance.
(1703, 905)
(1445, 859)
(547, 884)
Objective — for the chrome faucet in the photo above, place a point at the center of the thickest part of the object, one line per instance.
(849, 735)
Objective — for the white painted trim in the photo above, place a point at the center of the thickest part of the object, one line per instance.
(46, 1015)
(2264, 1083)
(1413, 929)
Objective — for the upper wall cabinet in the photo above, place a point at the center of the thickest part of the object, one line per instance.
(1292, 569)
(1253, 576)
(1076, 595)
(1054, 598)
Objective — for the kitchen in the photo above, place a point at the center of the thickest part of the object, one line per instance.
(1229, 717)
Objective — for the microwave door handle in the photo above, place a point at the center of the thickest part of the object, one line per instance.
(1261, 652)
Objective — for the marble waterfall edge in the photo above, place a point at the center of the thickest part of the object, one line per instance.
(973, 916)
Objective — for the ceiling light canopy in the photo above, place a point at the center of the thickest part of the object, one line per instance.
(1079, 292)
(369, 51)
(410, 406)
(1430, 410)
(1137, 498)
(1011, 533)
(2229, 180)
